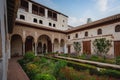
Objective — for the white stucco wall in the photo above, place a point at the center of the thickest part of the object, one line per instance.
(108, 30)
(61, 22)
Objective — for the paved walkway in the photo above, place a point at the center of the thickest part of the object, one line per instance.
(15, 71)
(91, 62)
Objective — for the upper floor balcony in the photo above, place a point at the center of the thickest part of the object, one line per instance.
(24, 5)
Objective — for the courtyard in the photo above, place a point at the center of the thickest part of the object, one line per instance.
(38, 41)
(54, 67)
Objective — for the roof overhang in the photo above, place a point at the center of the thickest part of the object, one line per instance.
(101, 22)
(12, 7)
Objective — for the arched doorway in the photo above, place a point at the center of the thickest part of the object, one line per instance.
(44, 44)
(16, 45)
(62, 43)
(56, 45)
(29, 44)
(39, 48)
(44, 48)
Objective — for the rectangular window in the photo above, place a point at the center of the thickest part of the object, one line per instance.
(41, 11)
(49, 14)
(68, 37)
(35, 9)
(55, 16)
(76, 35)
(52, 15)
(24, 5)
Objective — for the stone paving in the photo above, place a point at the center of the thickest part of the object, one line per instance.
(15, 72)
(91, 62)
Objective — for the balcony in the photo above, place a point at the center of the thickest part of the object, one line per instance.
(24, 5)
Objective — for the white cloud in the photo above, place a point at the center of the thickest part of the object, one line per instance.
(73, 21)
(103, 5)
(76, 21)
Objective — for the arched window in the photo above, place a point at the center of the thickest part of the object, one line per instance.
(99, 31)
(22, 17)
(50, 24)
(35, 20)
(86, 33)
(40, 21)
(54, 25)
(117, 28)
(76, 35)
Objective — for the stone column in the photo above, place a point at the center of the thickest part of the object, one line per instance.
(35, 48)
(59, 48)
(23, 48)
(46, 13)
(9, 46)
(30, 7)
(52, 47)
(65, 48)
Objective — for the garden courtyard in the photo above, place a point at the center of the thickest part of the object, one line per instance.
(53, 66)
(67, 66)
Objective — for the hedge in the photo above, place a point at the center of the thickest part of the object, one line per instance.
(92, 69)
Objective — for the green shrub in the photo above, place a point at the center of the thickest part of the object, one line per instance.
(68, 73)
(110, 72)
(36, 60)
(80, 66)
(43, 60)
(29, 56)
(31, 70)
(64, 55)
(44, 77)
(94, 57)
(48, 67)
(118, 60)
(83, 56)
(60, 64)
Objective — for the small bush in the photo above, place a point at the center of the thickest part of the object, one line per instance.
(81, 66)
(29, 56)
(94, 57)
(68, 73)
(36, 60)
(118, 60)
(44, 77)
(110, 72)
(60, 64)
(43, 60)
(83, 56)
(31, 70)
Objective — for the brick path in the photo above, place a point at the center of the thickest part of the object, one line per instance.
(15, 71)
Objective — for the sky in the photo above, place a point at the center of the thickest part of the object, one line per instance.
(79, 11)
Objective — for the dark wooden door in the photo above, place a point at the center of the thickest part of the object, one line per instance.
(28, 45)
(69, 50)
(87, 47)
(117, 48)
(49, 46)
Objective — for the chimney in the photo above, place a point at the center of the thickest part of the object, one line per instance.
(89, 20)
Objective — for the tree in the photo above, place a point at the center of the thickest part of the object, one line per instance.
(77, 47)
(102, 46)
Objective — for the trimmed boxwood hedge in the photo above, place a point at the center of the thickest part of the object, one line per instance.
(92, 69)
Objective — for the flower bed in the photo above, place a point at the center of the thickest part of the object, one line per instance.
(41, 68)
